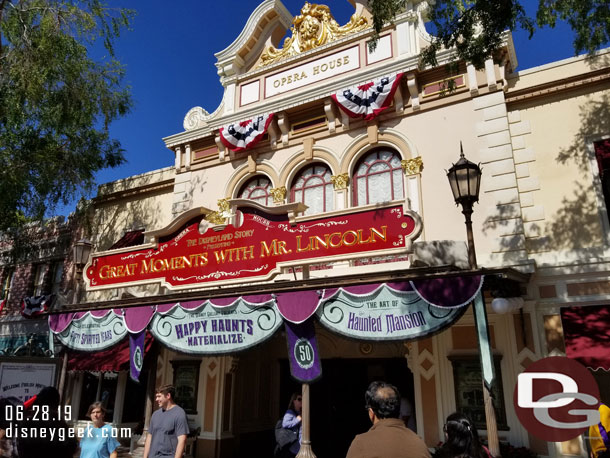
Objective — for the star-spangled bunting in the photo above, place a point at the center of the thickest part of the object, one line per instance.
(245, 134)
(369, 99)
(35, 305)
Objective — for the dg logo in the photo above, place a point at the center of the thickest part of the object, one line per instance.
(556, 399)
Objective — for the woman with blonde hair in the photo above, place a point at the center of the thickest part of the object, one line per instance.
(98, 440)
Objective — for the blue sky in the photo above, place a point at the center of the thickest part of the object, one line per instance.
(169, 59)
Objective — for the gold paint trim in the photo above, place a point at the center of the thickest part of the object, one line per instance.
(412, 166)
(279, 194)
(314, 27)
(340, 181)
(446, 86)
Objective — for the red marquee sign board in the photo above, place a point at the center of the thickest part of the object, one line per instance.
(262, 243)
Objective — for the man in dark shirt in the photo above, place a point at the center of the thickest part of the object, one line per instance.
(168, 427)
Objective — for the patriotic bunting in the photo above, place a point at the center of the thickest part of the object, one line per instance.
(245, 134)
(35, 305)
(368, 100)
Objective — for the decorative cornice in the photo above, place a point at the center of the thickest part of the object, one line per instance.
(340, 181)
(412, 166)
(279, 194)
(555, 87)
(314, 27)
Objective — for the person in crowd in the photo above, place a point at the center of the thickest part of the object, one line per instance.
(7, 444)
(57, 445)
(292, 421)
(168, 427)
(461, 439)
(97, 441)
(407, 413)
(388, 437)
(599, 440)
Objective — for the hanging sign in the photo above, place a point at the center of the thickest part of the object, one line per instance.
(214, 330)
(136, 354)
(256, 250)
(385, 314)
(90, 333)
(305, 365)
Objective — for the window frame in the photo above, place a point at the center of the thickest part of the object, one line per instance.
(268, 196)
(363, 159)
(499, 404)
(38, 288)
(327, 186)
(7, 284)
(603, 210)
(56, 266)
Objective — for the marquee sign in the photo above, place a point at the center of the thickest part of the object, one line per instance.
(90, 333)
(385, 314)
(216, 330)
(256, 247)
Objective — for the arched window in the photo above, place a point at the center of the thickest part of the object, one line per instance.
(257, 189)
(313, 187)
(378, 178)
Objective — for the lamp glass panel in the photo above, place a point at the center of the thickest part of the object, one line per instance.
(463, 182)
(453, 184)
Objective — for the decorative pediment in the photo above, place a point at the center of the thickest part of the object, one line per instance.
(314, 27)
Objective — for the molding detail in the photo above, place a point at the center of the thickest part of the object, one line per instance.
(412, 166)
(196, 117)
(314, 27)
(340, 182)
(279, 194)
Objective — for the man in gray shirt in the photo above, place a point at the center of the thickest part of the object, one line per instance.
(168, 427)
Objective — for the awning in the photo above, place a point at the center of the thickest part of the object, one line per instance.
(586, 333)
(395, 311)
(112, 359)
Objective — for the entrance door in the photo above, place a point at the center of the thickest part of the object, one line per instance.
(337, 399)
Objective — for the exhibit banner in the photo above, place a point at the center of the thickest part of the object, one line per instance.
(384, 314)
(257, 248)
(303, 354)
(215, 330)
(93, 333)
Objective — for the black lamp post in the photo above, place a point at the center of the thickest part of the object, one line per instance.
(465, 181)
(81, 252)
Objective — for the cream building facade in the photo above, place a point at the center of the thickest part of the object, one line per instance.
(541, 212)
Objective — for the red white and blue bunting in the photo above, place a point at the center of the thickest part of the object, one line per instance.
(369, 99)
(36, 305)
(243, 135)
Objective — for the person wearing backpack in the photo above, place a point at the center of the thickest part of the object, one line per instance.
(289, 430)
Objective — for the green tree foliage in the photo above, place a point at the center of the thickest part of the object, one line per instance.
(56, 102)
(474, 27)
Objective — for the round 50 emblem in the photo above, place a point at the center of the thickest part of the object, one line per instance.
(304, 353)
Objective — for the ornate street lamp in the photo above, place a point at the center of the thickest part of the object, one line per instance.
(465, 181)
(81, 252)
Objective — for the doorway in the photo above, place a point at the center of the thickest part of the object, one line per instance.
(337, 399)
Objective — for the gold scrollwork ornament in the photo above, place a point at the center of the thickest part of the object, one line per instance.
(340, 181)
(279, 194)
(314, 27)
(412, 166)
(215, 218)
